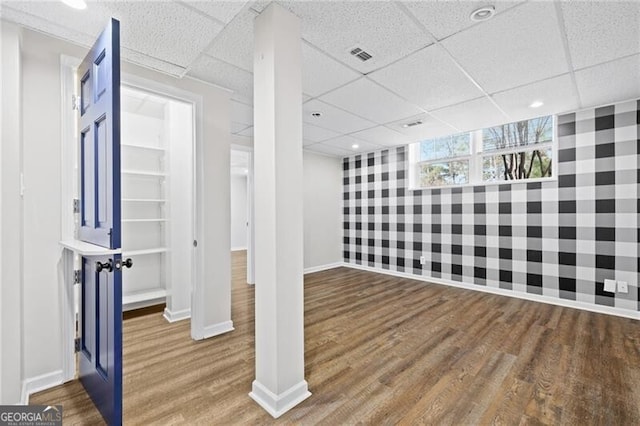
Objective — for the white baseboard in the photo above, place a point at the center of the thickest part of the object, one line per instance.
(319, 268)
(215, 330)
(171, 316)
(277, 405)
(40, 383)
(238, 248)
(502, 292)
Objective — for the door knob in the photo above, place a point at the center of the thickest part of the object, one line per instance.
(108, 266)
(121, 264)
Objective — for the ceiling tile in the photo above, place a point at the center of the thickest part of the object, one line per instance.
(382, 136)
(610, 82)
(64, 23)
(218, 72)
(516, 47)
(429, 78)
(444, 18)
(367, 99)
(317, 134)
(429, 128)
(164, 30)
(320, 73)
(328, 150)
(333, 118)
(147, 61)
(235, 43)
(346, 143)
(380, 28)
(241, 113)
(599, 32)
(472, 115)
(221, 10)
(84, 27)
(557, 94)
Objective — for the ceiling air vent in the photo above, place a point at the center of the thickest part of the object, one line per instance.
(412, 124)
(360, 54)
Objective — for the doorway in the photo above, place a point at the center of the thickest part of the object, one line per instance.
(161, 128)
(157, 201)
(241, 191)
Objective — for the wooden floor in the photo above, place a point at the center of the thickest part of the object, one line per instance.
(385, 350)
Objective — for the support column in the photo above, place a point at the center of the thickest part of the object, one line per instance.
(279, 383)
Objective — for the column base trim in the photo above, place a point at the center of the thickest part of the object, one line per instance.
(277, 405)
(214, 330)
(172, 316)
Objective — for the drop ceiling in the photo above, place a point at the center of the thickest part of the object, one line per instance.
(430, 62)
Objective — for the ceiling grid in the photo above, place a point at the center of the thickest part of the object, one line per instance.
(429, 61)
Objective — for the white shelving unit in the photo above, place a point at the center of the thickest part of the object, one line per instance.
(144, 154)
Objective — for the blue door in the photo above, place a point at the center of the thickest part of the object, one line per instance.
(101, 276)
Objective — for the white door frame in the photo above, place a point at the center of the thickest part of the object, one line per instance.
(250, 214)
(68, 66)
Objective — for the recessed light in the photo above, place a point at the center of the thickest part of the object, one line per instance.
(76, 4)
(482, 14)
(355, 146)
(316, 114)
(536, 104)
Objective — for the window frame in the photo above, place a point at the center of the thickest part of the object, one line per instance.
(476, 158)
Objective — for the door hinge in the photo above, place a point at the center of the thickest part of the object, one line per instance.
(76, 205)
(76, 344)
(76, 277)
(75, 102)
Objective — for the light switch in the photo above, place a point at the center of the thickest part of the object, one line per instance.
(623, 287)
(610, 286)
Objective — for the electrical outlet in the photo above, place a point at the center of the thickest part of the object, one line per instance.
(422, 260)
(623, 287)
(610, 286)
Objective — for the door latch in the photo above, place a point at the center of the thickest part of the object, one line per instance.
(121, 264)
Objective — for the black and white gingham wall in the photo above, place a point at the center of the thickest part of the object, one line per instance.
(559, 239)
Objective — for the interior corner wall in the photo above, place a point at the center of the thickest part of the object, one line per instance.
(238, 212)
(555, 240)
(42, 141)
(11, 350)
(322, 215)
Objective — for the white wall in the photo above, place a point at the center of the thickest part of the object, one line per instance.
(42, 182)
(322, 210)
(238, 212)
(10, 217)
(42, 220)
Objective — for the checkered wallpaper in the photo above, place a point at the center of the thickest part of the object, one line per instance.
(559, 239)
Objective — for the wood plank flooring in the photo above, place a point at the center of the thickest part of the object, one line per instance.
(385, 350)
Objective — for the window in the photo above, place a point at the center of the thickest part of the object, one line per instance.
(507, 153)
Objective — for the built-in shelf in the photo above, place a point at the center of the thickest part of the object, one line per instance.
(150, 148)
(145, 251)
(143, 220)
(143, 173)
(83, 248)
(143, 296)
(144, 200)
